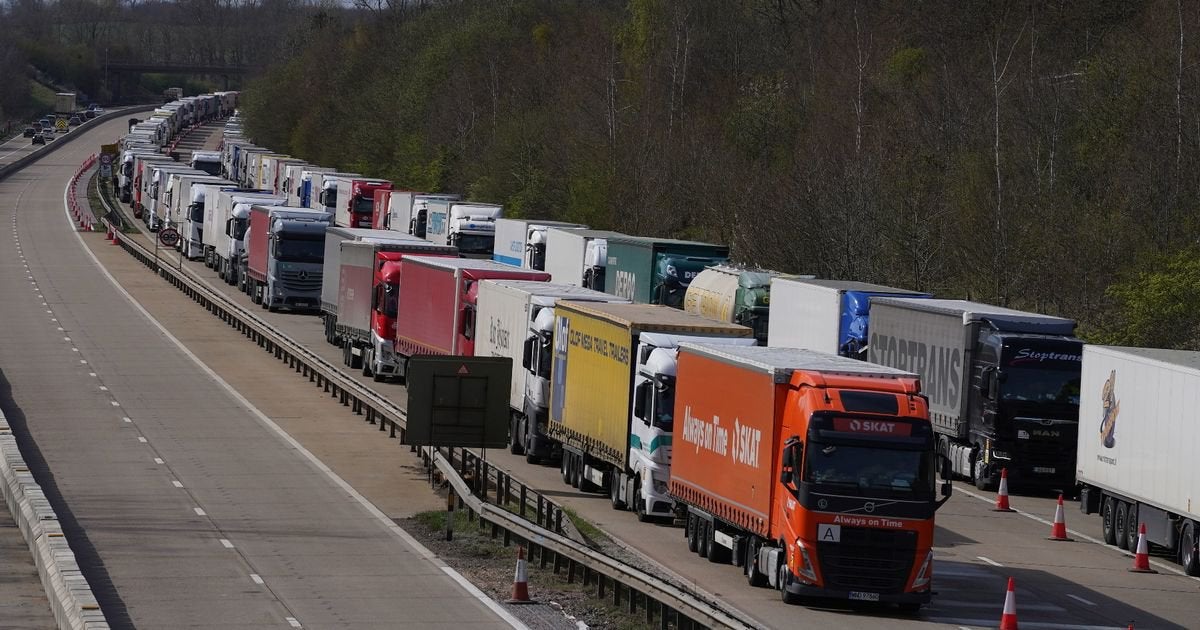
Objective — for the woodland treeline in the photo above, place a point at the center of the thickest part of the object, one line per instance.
(1040, 155)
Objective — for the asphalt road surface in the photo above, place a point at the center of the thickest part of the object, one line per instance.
(185, 503)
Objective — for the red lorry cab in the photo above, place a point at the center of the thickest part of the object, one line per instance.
(436, 310)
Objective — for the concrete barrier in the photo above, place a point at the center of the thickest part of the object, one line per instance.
(71, 598)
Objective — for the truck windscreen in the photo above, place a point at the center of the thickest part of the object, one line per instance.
(1030, 384)
(239, 228)
(300, 250)
(475, 243)
(870, 468)
(363, 205)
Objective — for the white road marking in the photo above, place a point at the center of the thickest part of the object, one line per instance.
(199, 511)
(293, 622)
(1079, 535)
(91, 374)
(257, 580)
(158, 460)
(116, 404)
(66, 338)
(990, 561)
(225, 543)
(177, 484)
(74, 349)
(383, 519)
(1080, 599)
(127, 419)
(141, 439)
(102, 388)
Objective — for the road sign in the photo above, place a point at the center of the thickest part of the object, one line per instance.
(105, 159)
(168, 237)
(458, 401)
(60, 123)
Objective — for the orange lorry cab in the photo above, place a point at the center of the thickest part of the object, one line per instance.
(813, 473)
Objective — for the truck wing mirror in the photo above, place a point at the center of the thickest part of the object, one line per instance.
(789, 470)
(639, 401)
(527, 353)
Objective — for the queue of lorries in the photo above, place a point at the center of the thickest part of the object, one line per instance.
(802, 429)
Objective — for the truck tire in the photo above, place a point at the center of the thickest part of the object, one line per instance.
(692, 543)
(980, 474)
(717, 554)
(639, 502)
(754, 577)
(1121, 532)
(1108, 518)
(702, 537)
(1189, 557)
(614, 493)
(367, 358)
(564, 468)
(1131, 528)
(785, 578)
(516, 444)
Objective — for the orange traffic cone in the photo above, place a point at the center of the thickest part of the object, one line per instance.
(1059, 530)
(520, 591)
(1008, 619)
(1141, 559)
(1002, 494)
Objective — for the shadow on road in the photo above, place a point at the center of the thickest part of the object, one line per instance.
(86, 555)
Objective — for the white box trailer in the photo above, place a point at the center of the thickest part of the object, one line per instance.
(578, 257)
(1138, 443)
(522, 242)
(506, 316)
(827, 316)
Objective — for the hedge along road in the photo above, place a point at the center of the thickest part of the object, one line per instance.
(185, 504)
(1060, 585)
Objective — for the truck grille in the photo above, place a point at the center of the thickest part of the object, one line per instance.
(301, 280)
(867, 559)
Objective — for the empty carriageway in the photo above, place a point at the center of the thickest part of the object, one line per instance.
(186, 506)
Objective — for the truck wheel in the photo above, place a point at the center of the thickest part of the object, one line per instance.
(368, 357)
(785, 578)
(716, 553)
(530, 458)
(980, 475)
(585, 484)
(754, 577)
(1131, 527)
(690, 532)
(515, 445)
(1122, 532)
(639, 502)
(564, 467)
(702, 537)
(614, 495)
(1188, 555)
(1108, 517)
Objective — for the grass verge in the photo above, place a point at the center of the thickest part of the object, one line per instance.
(489, 565)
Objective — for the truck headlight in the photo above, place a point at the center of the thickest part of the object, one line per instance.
(660, 485)
(921, 582)
(806, 571)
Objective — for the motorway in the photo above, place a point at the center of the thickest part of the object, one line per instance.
(190, 503)
(1060, 585)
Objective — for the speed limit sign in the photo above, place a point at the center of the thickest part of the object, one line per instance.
(168, 237)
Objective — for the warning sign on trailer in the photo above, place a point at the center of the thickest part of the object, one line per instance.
(458, 401)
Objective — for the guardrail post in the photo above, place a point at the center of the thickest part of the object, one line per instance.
(540, 502)
(524, 502)
(600, 578)
(558, 518)
(570, 571)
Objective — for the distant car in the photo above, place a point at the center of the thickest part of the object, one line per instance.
(39, 139)
(89, 114)
(30, 132)
(75, 121)
(48, 135)
(46, 123)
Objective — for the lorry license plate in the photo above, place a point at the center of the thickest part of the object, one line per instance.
(864, 597)
(1043, 469)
